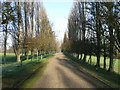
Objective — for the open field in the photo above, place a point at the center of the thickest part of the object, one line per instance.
(115, 61)
(11, 57)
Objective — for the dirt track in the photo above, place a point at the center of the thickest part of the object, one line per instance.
(61, 73)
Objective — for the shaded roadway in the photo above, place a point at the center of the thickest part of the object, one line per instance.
(62, 73)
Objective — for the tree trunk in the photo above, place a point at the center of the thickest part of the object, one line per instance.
(104, 62)
(84, 58)
(18, 55)
(78, 56)
(84, 30)
(26, 30)
(32, 21)
(90, 59)
(38, 52)
(98, 32)
(18, 33)
(37, 55)
(111, 50)
(26, 55)
(32, 54)
(104, 55)
(111, 38)
(18, 58)
(98, 61)
(18, 48)
(5, 51)
(5, 44)
(81, 56)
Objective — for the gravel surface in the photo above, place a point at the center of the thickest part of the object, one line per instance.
(61, 73)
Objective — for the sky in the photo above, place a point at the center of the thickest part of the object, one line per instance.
(58, 12)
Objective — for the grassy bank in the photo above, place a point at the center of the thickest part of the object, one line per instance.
(111, 78)
(13, 74)
(30, 81)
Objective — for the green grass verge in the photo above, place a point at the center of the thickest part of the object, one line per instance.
(111, 78)
(31, 81)
(12, 74)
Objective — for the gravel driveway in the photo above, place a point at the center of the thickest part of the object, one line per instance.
(61, 73)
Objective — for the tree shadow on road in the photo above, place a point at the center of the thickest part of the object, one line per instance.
(73, 68)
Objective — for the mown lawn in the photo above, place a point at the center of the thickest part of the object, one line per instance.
(111, 78)
(116, 63)
(11, 57)
(13, 73)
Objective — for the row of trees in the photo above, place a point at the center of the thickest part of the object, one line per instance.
(29, 28)
(94, 29)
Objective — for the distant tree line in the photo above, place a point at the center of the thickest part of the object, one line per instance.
(27, 24)
(94, 29)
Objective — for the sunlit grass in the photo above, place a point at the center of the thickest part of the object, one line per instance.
(10, 58)
(116, 63)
